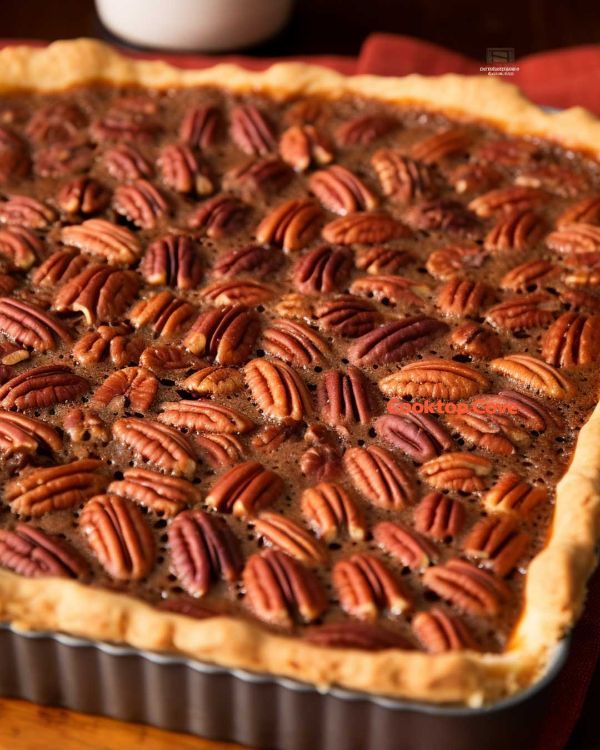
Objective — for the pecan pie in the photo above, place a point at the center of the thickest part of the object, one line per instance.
(226, 301)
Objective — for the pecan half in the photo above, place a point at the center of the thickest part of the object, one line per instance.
(164, 495)
(165, 313)
(586, 211)
(61, 159)
(472, 177)
(418, 435)
(135, 387)
(575, 238)
(376, 475)
(320, 463)
(278, 390)
(119, 537)
(508, 152)
(99, 292)
(474, 340)
(101, 237)
(442, 145)
(200, 127)
(434, 378)
(536, 375)
(124, 162)
(245, 489)
(234, 291)
(361, 635)
(83, 195)
(141, 203)
(573, 340)
(404, 544)
(464, 472)
(403, 180)
(14, 156)
(348, 316)
(255, 260)
(42, 386)
(470, 589)
(497, 543)
(21, 247)
(291, 225)
(83, 425)
(203, 549)
(31, 552)
(60, 487)
(322, 270)
(219, 450)
(31, 326)
(172, 260)
(164, 359)
(377, 260)
(445, 263)
(512, 494)
(394, 289)
(219, 217)
(524, 311)
(58, 268)
(439, 516)
(527, 410)
(364, 129)
(204, 416)
(517, 230)
(440, 215)
(25, 211)
(528, 276)
(496, 433)
(251, 131)
(341, 191)
(288, 536)
(108, 342)
(294, 343)
(226, 334)
(365, 586)
(509, 199)
(344, 398)
(21, 434)
(554, 178)
(364, 228)
(280, 590)
(119, 124)
(303, 145)
(156, 443)
(463, 297)
(330, 510)
(57, 122)
(214, 381)
(439, 631)
(394, 341)
(182, 171)
(266, 176)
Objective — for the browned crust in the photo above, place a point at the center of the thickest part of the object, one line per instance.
(556, 580)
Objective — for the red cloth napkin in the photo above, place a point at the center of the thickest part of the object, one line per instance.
(562, 78)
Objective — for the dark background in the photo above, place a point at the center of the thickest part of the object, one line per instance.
(340, 27)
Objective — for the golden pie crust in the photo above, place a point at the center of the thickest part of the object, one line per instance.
(556, 579)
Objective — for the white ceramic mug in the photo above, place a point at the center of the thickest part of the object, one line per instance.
(206, 25)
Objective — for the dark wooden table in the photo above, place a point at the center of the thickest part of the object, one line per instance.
(317, 27)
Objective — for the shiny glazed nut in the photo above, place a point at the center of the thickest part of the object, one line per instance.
(347, 316)
(214, 381)
(420, 436)
(182, 171)
(349, 634)
(156, 443)
(112, 343)
(203, 550)
(439, 516)
(320, 463)
(85, 425)
(219, 217)
(508, 199)
(288, 536)
(470, 589)
(464, 472)
(344, 398)
(364, 129)
(441, 215)
(266, 176)
(403, 180)
(496, 433)
(119, 537)
(474, 340)
(526, 410)
(24, 211)
(280, 590)
(200, 127)
(365, 228)
(21, 247)
(303, 145)
(124, 162)
(141, 203)
(439, 631)
(390, 288)
(59, 268)
(462, 297)
(573, 340)
(330, 511)
(394, 341)
(204, 416)
(219, 450)
(535, 375)
(226, 334)
(165, 313)
(518, 230)
(381, 260)
(278, 390)
(56, 122)
(447, 143)
(449, 261)
(322, 270)
(172, 260)
(26, 435)
(585, 211)
(251, 131)
(497, 543)
(101, 237)
(31, 552)
(375, 474)
(245, 489)
(512, 494)
(365, 587)
(237, 292)
(404, 544)
(31, 326)
(434, 378)
(575, 238)
(294, 343)
(473, 178)
(133, 386)
(525, 276)
(291, 225)
(339, 190)
(59, 487)
(42, 386)
(252, 259)
(83, 195)
(163, 359)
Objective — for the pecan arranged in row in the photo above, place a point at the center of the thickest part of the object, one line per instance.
(112, 343)
(464, 472)
(182, 171)
(165, 313)
(364, 129)
(404, 544)
(245, 489)
(31, 552)
(364, 228)
(442, 145)
(302, 145)
(251, 130)
(256, 260)
(497, 543)
(434, 378)
(439, 516)
(355, 634)
(341, 191)
(439, 631)
(474, 340)
(135, 386)
(204, 416)
(512, 494)
(365, 586)
(219, 217)
(381, 260)
(572, 340)
(330, 511)
(536, 375)
(237, 291)
(124, 162)
(402, 179)
(469, 588)
(219, 450)
(21, 247)
(58, 268)
(214, 381)
(199, 127)
(83, 195)
(172, 260)
(101, 237)
(294, 343)
(518, 230)
(162, 494)
(278, 390)
(225, 334)
(322, 270)
(347, 316)
(42, 386)
(141, 203)
(30, 326)
(395, 289)
(291, 538)
(28, 435)
(496, 433)
(158, 444)
(376, 475)
(394, 341)
(25, 211)
(418, 435)
(344, 398)
(291, 225)
(266, 176)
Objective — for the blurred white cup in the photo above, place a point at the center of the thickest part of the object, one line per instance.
(207, 25)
